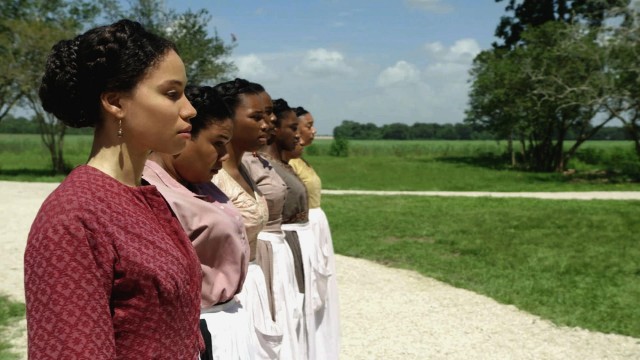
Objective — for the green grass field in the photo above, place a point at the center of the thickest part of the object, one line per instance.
(576, 262)
(573, 262)
(386, 165)
(9, 312)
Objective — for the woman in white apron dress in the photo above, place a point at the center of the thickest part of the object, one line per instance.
(328, 329)
(288, 296)
(250, 133)
(295, 223)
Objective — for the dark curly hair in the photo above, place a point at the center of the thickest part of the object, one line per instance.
(107, 58)
(280, 108)
(209, 105)
(230, 91)
(300, 111)
(259, 88)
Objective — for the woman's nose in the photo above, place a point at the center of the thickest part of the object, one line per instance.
(188, 111)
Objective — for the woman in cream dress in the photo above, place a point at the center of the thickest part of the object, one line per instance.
(249, 134)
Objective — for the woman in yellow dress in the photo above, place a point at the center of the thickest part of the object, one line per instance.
(327, 337)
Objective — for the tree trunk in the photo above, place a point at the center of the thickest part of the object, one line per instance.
(511, 151)
(634, 132)
(584, 137)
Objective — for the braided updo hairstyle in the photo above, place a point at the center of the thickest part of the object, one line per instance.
(230, 91)
(300, 111)
(209, 105)
(280, 108)
(107, 58)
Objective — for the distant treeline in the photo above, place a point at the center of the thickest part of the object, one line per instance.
(354, 131)
(430, 131)
(21, 125)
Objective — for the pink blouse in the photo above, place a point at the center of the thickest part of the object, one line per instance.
(216, 231)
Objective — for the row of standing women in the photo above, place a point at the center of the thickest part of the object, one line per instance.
(193, 231)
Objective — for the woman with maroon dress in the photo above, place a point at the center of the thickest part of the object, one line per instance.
(109, 272)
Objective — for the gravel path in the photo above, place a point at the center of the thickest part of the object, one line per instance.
(386, 313)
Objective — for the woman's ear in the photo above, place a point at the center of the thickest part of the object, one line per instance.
(112, 103)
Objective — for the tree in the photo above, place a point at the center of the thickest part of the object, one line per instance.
(10, 91)
(624, 44)
(29, 28)
(549, 77)
(496, 103)
(533, 13)
(205, 56)
(396, 131)
(540, 91)
(35, 27)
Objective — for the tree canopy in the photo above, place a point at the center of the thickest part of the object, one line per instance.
(553, 74)
(29, 28)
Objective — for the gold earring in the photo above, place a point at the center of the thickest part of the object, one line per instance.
(120, 128)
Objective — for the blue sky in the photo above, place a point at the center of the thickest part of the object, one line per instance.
(379, 61)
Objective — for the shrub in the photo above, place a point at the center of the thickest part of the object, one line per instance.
(339, 147)
(312, 150)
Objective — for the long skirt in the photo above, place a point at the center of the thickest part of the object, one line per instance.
(316, 276)
(266, 338)
(288, 299)
(327, 322)
(226, 331)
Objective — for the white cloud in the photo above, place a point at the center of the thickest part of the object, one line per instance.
(323, 62)
(434, 48)
(252, 66)
(462, 51)
(401, 72)
(430, 5)
(336, 86)
(465, 48)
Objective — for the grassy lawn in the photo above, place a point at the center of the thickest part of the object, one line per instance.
(9, 313)
(433, 174)
(383, 165)
(576, 263)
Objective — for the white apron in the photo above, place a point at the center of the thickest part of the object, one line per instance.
(266, 338)
(287, 298)
(316, 277)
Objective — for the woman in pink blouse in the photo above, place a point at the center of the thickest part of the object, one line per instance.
(213, 224)
(109, 272)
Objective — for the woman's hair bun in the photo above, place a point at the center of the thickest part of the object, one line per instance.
(107, 58)
(60, 89)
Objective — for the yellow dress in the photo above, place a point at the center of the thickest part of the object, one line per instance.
(310, 179)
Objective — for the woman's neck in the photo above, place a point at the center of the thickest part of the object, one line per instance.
(166, 162)
(273, 151)
(117, 159)
(235, 158)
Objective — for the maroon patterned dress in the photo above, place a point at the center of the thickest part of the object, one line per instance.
(110, 274)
